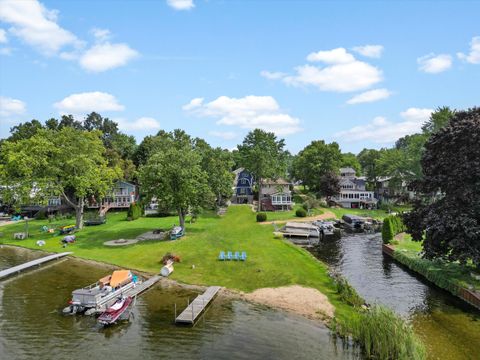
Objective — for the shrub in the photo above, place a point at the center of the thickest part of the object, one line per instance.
(134, 212)
(261, 217)
(305, 206)
(301, 212)
(392, 225)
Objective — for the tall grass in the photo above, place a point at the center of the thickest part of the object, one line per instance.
(347, 292)
(382, 335)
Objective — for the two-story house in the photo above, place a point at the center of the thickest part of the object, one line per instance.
(276, 195)
(121, 196)
(242, 187)
(353, 193)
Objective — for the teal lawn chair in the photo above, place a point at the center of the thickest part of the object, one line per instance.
(229, 255)
(243, 257)
(236, 256)
(221, 256)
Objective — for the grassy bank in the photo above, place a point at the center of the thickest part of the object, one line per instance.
(448, 275)
(376, 214)
(287, 215)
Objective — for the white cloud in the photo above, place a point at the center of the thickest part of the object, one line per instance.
(143, 123)
(272, 75)
(10, 107)
(101, 34)
(382, 131)
(370, 96)
(106, 56)
(3, 36)
(226, 135)
(372, 51)
(36, 25)
(342, 73)
(181, 4)
(474, 56)
(334, 56)
(249, 112)
(86, 102)
(194, 103)
(434, 64)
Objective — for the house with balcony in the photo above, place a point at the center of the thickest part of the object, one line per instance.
(353, 193)
(242, 187)
(276, 195)
(121, 196)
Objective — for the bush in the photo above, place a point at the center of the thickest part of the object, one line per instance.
(305, 206)
(301, 212)
(392, 225)
(261, 217)
(134, 212)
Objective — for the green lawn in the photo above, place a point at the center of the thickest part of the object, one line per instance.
(270, 263)
(286, 215)
(377, 213)
(450, 271)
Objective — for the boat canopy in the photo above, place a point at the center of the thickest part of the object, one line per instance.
(120, 277)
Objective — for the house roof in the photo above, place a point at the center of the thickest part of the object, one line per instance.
(279, 181)
(347, 170)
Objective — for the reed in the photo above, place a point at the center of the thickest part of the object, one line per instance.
(382, 334)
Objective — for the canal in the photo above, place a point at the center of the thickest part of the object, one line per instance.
(33, 327)
(449, 328)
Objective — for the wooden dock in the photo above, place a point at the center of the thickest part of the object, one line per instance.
(30, 264)
(147, 284)
(197, 306)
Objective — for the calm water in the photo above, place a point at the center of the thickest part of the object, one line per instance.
(32, 326)
(449, 328)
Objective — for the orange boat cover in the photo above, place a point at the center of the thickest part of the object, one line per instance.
(120, 277)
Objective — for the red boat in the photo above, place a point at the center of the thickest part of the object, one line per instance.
(114, 312)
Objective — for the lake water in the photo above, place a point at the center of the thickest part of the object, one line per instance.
(33, 327)
(449, 328)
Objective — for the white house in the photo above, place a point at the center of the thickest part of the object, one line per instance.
(353, 193)
(276, 195)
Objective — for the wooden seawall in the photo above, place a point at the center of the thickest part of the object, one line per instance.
(30, 264)
(197, 306)
(471, 297)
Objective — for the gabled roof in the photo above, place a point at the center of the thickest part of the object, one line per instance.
(347, 170)
(279, 181)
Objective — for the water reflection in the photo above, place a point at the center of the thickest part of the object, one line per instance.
(449, 327)
(32, 326)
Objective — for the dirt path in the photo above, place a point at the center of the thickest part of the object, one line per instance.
(326, 215)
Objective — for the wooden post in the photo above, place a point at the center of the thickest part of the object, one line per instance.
(175, 320)
(192, 312)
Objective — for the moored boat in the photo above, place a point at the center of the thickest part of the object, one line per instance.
(293, 228)
(115, 312)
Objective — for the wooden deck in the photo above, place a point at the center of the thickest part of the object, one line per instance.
(147, 284)
(30, 264)
(197, 306)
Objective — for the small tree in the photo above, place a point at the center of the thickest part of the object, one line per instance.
(329, 185)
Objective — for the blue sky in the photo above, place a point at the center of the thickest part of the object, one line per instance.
(359, 73)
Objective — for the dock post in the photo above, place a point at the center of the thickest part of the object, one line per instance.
(192, 314)
(175, 312)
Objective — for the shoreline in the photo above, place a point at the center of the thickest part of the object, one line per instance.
(296, 299)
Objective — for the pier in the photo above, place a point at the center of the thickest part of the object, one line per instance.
(30, 264)
(197, 306)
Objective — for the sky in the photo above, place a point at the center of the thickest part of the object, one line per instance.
(359, 73)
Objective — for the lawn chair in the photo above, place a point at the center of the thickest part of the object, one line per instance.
(236, 256)
(229, 255)
(221, 256)
(243, 257)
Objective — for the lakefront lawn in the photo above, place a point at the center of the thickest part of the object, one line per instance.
(270, 263)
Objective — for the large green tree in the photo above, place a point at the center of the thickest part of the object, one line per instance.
(448, 217)
(173, 174)
(263, 155)
(316, 160)
(68, 162)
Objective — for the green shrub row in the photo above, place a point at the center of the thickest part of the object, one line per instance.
(261, 217)
(301, 212)
(134, 212)
(428, 270)
(392, 225)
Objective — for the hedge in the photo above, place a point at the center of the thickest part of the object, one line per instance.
(134, 212)
(261, 217)
(301, 212)
(392, 225)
